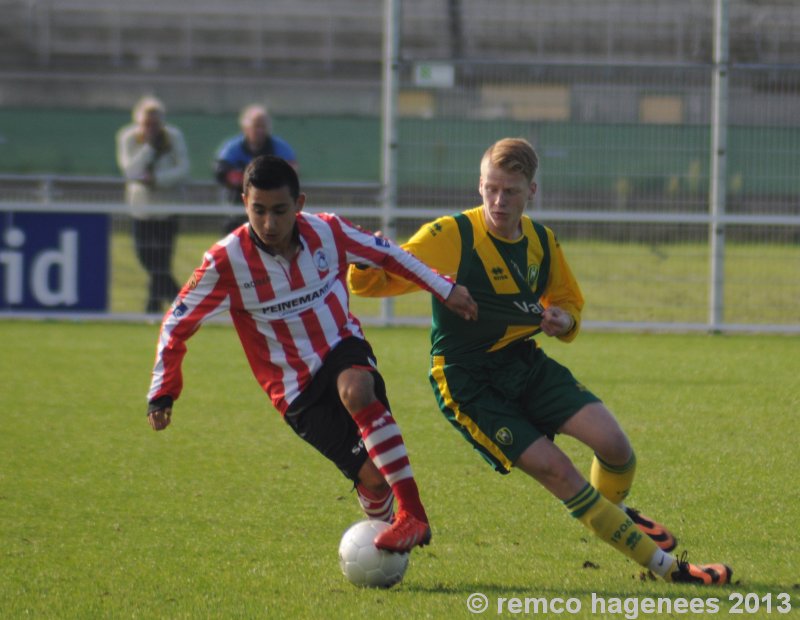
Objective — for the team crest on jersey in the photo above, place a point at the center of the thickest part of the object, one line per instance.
(533, 275)
(504, 436)
(321, 261)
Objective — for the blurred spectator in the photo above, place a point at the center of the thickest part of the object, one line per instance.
(234, 155)
(154, 161)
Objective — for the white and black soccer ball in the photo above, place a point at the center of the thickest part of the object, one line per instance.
(363, 563)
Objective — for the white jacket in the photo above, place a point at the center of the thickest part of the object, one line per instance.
(170, 170)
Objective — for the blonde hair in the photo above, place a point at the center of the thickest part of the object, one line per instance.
(513, 155)
(148, 105)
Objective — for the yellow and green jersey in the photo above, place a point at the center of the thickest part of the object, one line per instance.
(511, 281)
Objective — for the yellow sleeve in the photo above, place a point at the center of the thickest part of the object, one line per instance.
(437, 244)
(562, 288)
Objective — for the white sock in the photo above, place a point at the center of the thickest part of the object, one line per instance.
(661, 563)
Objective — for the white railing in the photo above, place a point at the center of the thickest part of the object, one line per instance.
(57, 194)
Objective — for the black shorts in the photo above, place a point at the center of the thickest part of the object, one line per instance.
(319, 417)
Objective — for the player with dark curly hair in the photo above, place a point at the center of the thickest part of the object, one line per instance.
(282, 278)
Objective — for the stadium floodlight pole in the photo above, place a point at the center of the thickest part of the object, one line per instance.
(391, 69)
(719, 154)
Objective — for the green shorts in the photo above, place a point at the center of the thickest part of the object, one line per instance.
(504, 401)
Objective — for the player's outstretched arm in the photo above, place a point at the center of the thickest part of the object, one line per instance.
(461, 303)
(159, 413)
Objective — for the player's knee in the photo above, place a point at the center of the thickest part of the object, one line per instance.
(617, 449)
(356, 389)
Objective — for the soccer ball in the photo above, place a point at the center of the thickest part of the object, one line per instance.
(363, 563)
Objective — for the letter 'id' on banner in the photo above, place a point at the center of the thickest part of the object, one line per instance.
(54, 261)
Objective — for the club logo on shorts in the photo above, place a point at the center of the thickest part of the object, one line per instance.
(504, 436)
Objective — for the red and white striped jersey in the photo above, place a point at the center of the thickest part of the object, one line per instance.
(289, 314)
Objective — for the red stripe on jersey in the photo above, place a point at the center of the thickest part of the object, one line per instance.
(343, 242)
(268, 374)
(258, 272)
(316, 334)
(393, 265)
(291, 351)
(296, 275)
(343, 318)
(370, 251)
(313, 243)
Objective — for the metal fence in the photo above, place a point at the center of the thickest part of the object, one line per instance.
(672, 185)
(645, 269)
(630, 154)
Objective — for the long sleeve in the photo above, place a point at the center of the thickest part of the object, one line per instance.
(204, 296)
(443, 255)
(562, 288)
(364, 248)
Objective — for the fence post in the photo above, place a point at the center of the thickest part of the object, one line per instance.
(719, 154)
(391, 68)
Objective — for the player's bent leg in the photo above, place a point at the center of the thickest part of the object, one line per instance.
(609, 523)
(374, 494)
(387, 450)
(595, 426)
(544, 461)
(614, 465)
(548, 465)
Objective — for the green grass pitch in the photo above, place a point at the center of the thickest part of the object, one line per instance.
(227, 514)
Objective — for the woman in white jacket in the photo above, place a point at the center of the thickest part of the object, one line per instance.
(155, 163)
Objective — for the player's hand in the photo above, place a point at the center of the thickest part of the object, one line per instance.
(160, 418)
(159, 412)
(461, 302)
(556, 322)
